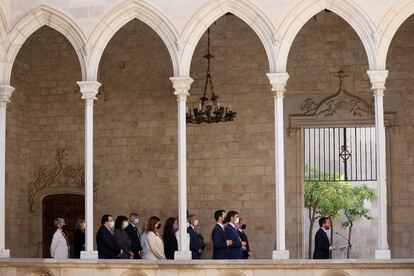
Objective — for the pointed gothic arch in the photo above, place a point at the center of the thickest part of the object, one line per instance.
(118, 17)
(212, 11)
(34, 20)
(389, 26)
(346, 9)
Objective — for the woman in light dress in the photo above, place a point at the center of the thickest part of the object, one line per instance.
(59, 249)
(155, 243)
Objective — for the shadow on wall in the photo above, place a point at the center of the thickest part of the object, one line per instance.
(335, 273)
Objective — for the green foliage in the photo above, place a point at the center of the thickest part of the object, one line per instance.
(326, 198)
(357, 210)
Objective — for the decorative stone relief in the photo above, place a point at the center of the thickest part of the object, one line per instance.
(340, 104)
(341, 108)
(61, 175)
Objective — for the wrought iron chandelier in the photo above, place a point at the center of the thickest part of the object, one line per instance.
(209, 110)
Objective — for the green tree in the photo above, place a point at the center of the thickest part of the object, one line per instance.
(325, 198)
(357, 210)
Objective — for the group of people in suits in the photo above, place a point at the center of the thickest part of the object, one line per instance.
(229, 239)
(122, 239)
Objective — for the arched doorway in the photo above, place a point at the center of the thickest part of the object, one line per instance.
(68, 206)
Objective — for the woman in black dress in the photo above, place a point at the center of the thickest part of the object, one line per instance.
(79, 238)
(170, 240)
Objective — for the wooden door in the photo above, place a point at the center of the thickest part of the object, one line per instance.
(67, 206)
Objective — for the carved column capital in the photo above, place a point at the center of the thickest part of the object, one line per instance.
(181, 86)
(378, 79)
(6, 92)
(278, 82)
(89, 90)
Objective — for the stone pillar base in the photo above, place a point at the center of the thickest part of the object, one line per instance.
(280, 255)
(182, 255)
(89, 255)
(4, 253)
(382, 254)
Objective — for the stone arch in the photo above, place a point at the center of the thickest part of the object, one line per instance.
(346, 9)
(389, 26)
(36, 222)
(35, 19)
(231, 273)
(120, 16)
(212, 11)
(39, 272)
(3, 35)
(335, 273)
(133, 273)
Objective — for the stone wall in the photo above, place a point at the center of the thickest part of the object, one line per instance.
(325, 45)
(230, 165)
(46, 114)
(135, 127)
(400, 96)
(17, 154)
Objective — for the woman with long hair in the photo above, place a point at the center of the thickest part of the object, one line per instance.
(155, 244)
(122, 238)
(170, 239)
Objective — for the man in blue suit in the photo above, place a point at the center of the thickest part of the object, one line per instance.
(195, 245)
(235, 251)
(220, 241)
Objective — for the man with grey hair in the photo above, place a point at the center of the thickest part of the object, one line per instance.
(59, 249)
(134, 235)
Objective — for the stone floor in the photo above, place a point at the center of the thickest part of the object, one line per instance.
(50, 267)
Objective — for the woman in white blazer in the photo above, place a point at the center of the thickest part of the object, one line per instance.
(59, 249)
(155, 244)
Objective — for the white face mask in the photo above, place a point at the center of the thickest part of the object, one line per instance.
(237, 220)
(196, 223)
(124, 224)
(135, 221)
(112, 224)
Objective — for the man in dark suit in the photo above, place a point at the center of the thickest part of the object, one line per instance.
(322, 244)
(243, 237)
(134, 236)
(235, 251)
(195, 245)
(219, 237)
(105, 240)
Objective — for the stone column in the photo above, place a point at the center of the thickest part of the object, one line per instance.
(378, 79)
(181, 86)
(5, 93)
(89, 90)
(278, 82)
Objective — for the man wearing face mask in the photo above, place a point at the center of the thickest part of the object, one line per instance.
(195, 245)
(235, 251)
(245, 242)
(105, 240)
(134, 235)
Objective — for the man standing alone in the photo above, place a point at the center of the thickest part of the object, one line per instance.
(322, 244)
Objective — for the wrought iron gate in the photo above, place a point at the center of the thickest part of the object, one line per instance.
(337, 154)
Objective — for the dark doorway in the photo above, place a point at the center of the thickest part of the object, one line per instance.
(67, 206)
